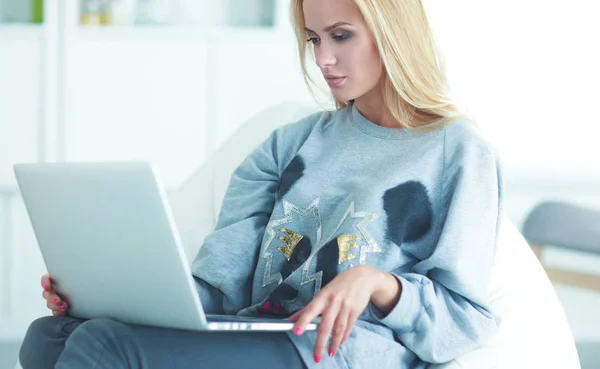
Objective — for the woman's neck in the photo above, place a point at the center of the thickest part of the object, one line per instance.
(374, 110)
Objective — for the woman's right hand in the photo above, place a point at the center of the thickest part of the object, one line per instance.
(53, 301)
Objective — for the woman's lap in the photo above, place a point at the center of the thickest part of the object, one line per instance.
(110, 343)
(45, 341)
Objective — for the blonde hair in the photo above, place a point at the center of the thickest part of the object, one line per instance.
(414, 82)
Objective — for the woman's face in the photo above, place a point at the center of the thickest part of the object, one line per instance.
(344, 47)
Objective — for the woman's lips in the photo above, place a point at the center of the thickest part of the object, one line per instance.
(335, 81)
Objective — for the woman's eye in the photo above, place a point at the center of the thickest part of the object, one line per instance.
(314, 40)
(341, 37)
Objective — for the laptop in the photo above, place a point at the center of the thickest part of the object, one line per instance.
(109, 241)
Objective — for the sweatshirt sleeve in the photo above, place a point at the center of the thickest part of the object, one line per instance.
(443, 309)
(225, 263)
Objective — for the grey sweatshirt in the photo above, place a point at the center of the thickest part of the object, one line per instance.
(333, 191)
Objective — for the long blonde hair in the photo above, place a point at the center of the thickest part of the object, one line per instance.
(414, 82)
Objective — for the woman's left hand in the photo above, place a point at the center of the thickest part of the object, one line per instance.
(342, 301)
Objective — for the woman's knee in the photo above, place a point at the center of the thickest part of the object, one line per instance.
(100, 328)
(102, 340)
(44, 341)
(100, 333)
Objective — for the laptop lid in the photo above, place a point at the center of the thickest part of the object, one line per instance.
(109, 240)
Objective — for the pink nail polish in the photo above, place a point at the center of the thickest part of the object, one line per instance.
(298, 331)
(317, 359)
(55, 301)
(331, 353)
(45, 287)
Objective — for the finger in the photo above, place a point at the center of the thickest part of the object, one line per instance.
(349, 326)
(324, 331)
(58, 312)
(60, 309)
(49, 295)
(63, 308)
(46, 282)
(295, 316)
(339, 330)
(53, 301)
(309, 312)
(346, 335)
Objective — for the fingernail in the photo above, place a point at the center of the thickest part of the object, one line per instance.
(318, 358)
(298, 331)
(63, 306)
(331, 353)
(56, 301)
(45, 287)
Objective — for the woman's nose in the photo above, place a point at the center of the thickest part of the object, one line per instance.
(325, 57)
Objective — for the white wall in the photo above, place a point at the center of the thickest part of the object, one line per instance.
(20, 103)
(526, 69)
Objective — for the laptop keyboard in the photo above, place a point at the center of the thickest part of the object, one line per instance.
(235, 318)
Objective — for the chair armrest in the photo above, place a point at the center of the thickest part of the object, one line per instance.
(563, 225)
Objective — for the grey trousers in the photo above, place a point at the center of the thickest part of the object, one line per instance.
(65, 343)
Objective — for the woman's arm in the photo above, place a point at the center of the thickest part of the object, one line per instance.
(387, 293)
(443, 311)
(227, 258)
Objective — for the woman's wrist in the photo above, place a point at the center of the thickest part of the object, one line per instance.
(386, 292)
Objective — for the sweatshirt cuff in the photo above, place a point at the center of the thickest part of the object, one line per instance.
(402, 316)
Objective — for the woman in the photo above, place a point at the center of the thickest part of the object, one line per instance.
(380, 217)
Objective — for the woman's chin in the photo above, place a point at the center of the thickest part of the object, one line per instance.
(342, 96)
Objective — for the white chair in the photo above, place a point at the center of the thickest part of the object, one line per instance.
(534, 332)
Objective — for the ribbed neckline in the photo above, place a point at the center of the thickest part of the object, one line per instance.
(378, 131)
